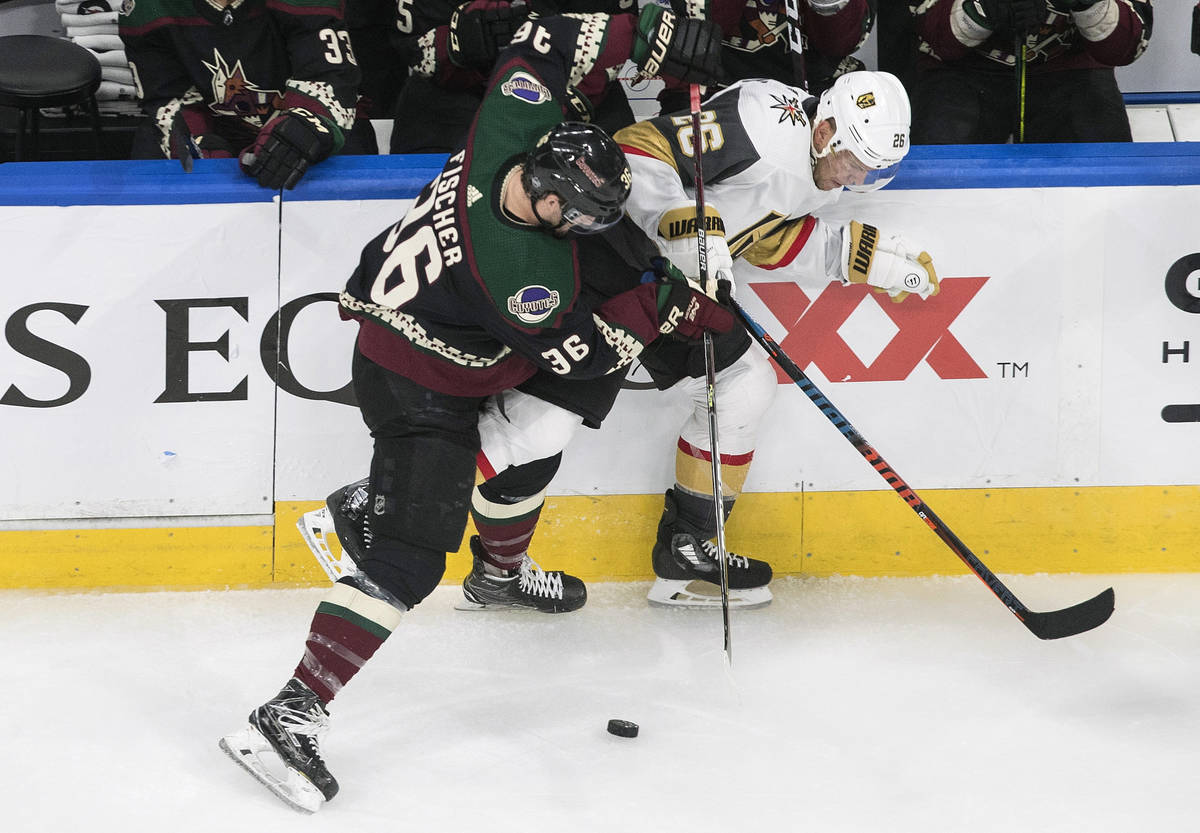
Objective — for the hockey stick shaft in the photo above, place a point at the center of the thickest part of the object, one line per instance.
(1019, 60)
(792, 11)
(710, 370)
(1050, 625)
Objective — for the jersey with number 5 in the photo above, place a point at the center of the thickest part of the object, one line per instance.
(758, 181)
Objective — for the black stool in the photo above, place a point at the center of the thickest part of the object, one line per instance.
(42, 71)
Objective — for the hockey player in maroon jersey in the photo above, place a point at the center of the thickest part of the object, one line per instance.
(478, 287)
(451, 46)
(756, 41)
(271, 82)
(976, 55)
(761, 198)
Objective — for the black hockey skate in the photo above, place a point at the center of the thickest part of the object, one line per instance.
(688, 573)
(280, 747)
(343, 517)
(529, 588)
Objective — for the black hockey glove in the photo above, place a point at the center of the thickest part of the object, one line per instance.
(191, 137)
(1071, 5)
(480, 29)
(286, 146)
(1012, 17)
(684, 311)
(683, 48)
(1196, 29)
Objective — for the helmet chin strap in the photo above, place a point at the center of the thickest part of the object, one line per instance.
(542, 221)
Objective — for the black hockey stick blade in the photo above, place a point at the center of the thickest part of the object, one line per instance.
(1052, 625)
(1071, 620)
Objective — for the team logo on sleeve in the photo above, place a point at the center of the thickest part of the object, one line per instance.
(789, 109)
(525, 87)
(533, 304)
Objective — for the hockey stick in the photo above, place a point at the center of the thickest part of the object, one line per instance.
(1054, 624)
(796, 42)
(1019, 59)
(710, 370)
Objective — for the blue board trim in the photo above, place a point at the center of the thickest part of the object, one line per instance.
(401, 177)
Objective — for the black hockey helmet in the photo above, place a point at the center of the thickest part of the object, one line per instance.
(586, 168)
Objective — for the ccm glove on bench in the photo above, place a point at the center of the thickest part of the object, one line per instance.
(287, 145)
(480, 29)
(892, 265)
(684, 311)
(682, 48)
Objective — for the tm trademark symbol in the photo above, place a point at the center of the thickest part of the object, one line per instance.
(1011, 370)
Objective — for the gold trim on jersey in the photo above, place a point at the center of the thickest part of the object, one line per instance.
(644, 137)
(754, 232)
(768, 242)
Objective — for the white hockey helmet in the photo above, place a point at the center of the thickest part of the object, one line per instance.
(871, 115)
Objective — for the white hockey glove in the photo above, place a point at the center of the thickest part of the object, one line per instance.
(678, 242)
(892, 265)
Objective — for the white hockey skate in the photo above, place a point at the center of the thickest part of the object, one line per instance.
(338, 520)
(250, 750)
(316, 528)
(687, 574)
(280, 747)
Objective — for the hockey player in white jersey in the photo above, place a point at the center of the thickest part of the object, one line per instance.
(773, 157)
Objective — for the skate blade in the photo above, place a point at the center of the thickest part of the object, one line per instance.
(464, 603)
(316, 528)
(704, 594)
(251, 751)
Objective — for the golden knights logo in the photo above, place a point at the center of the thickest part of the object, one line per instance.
(236, 95)
(789, 109)
(865, 100)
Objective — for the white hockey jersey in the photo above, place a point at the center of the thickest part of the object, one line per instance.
(758, 180)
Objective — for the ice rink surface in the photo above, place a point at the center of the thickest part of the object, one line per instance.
(858, 705)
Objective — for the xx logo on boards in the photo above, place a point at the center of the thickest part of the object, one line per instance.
(923, 331)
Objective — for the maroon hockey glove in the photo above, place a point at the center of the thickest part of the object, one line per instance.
(480, 29)
(1019, 17)
(685, 312)
(674, 47)
(190, 135)
(286, 146)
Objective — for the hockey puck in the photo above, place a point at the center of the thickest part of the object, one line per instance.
(622, 728)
